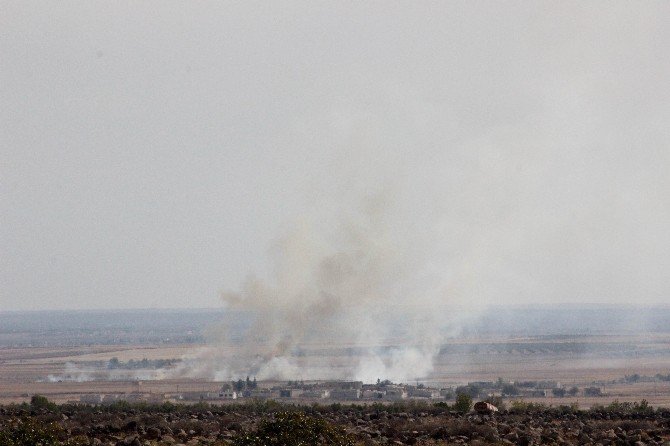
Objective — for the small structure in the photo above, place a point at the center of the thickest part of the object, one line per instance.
(423, 393)
(395, 393)
(345, 394)
(315, 393)
(228, 394)
(372, 394)
(198, 396)
(261, 394)
(287, 393)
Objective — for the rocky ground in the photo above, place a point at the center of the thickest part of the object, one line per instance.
(363, 425)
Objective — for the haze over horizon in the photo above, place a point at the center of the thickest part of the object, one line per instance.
(161, 154)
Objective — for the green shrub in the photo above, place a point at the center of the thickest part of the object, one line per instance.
(520, 406)
(294, 429)
(463, 403)
(29, 432)
(41, 402)
(628, 407)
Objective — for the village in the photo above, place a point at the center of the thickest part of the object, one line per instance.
(345, 391)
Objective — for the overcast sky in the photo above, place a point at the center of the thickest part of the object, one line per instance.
(154, 152)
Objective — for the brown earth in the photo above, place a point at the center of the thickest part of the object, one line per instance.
(398, 424)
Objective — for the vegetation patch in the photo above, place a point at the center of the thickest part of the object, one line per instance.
(294, 429)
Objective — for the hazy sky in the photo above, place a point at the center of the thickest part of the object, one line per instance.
(153, 153)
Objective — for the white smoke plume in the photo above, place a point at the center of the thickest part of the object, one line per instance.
(415, 222)
(334, 289)
(348, 296)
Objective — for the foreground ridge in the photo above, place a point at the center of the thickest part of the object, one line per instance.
(272, 423)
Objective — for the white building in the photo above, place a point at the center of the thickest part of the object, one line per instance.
(228, 394)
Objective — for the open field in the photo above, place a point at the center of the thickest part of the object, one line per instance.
(580, 362)
(67, 354)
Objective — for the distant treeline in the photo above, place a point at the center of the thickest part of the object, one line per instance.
(642, 378)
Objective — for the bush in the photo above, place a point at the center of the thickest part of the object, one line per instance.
(628, 407)
(463, 403)
(29, 432)
(41, 402)
(294, 429)
(521, 406)
(566, 409)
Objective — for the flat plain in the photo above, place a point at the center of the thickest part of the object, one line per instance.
(63, 361)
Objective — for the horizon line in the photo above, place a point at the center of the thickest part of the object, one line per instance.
(554, 305)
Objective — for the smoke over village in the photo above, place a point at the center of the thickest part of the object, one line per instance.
(290, 223)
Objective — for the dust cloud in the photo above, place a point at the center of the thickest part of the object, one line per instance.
(342, 285)
(408, 234)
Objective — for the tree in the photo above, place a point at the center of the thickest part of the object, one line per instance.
(463, 403)
(239, 385)
(41, 402)
(558, 392)
(632, 378)
(113, 363)
(572, 391)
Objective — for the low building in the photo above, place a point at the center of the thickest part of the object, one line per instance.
(289, 393)
(345, 394)
(372, 394)
(395, 393)
(198, 396)
(315, 393)
(261, 394)
(424, 393)
(228, 394)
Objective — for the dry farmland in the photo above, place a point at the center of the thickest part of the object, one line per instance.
(55, 361)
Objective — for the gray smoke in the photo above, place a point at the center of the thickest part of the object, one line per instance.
(533, 173)
(335, 285)
(413, 231)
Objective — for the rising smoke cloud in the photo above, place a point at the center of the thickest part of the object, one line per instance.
(410, 231)
(336, 288)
